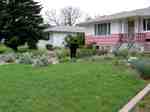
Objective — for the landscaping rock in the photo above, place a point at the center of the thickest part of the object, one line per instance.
(52, 57)
(1, 60)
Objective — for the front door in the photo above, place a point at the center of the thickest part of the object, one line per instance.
(131, 27)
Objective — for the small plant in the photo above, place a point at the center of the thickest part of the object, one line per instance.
(41, 61)
(85, 52)
(25, 58)
(62, 53)
(49, 47)
(65, 59)
(102, 52)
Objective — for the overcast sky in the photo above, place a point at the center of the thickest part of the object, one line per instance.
(96, 7)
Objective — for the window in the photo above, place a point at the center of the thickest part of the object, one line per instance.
(102, 29)
(146, 24)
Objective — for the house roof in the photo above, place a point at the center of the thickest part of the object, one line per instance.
(69, 29)
(126, 14)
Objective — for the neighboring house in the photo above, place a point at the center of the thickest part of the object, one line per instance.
(120, 29)
(57, 35)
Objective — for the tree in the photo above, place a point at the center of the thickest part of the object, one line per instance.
(22, 23)
(53, 17)
(67, 16)
(2, 17)
(70, 15)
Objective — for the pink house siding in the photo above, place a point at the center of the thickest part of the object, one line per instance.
(103, 40)
(115, 38)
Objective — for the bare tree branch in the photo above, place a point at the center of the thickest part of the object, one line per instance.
(68, 16)
(52, 17)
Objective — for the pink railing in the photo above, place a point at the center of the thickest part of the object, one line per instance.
(137, 37)
(115, 38)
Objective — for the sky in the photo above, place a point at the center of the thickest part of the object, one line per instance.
(95, 7)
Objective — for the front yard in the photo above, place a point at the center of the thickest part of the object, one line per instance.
(70, 87)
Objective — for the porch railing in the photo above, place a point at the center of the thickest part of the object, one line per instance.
(137, 37)
(115, 38)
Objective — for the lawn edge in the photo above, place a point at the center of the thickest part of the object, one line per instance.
(135, 100)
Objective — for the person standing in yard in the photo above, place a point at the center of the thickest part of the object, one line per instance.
(73, 50)
(72, 43)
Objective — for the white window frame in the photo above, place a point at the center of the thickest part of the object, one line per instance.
(108, 29)
(146, 23)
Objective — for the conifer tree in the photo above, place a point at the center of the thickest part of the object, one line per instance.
(21, 23)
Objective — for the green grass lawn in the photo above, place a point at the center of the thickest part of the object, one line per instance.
(76, 87)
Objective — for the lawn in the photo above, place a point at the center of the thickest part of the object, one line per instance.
(76, 87)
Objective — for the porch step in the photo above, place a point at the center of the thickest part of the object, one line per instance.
(147, 47)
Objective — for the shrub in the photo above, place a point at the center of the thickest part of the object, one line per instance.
(62, 53)
(36, 58)
(4, 49)
(23, 49)
(41, 61)
(143, 66)
(97, 58)
(121, 53)
(65, 59)
(102, 52)
(133, 53)
(25, 58)
(37, 53)
(49, 47)
(85, 52)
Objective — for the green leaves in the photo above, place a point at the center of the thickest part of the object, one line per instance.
(21, 19)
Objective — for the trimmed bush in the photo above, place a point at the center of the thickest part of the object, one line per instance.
(81, 53)
(121, 53)
(143, 66)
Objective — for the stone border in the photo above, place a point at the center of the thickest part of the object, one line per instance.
(132, 103)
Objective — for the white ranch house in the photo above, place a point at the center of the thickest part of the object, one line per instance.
(119, 29)
(57, 35)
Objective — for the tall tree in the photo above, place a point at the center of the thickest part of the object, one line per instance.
(2, 17)
(67, 16)
(22, 23)
(70, 15)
